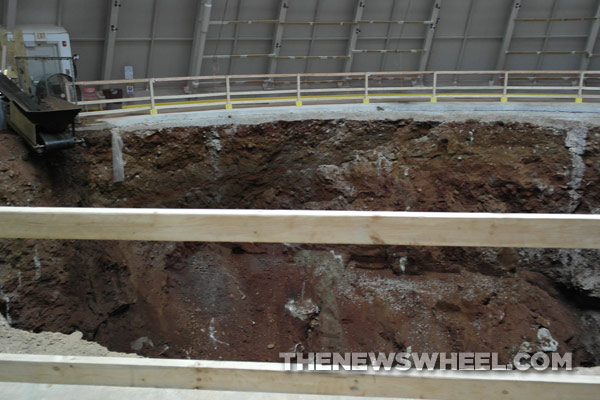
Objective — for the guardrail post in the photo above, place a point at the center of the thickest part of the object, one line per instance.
(68, 86)
(366, 98)
(579, 98)
(153, 110)
(504, 97)
(228, 105)
(298, 95)
(433, 98)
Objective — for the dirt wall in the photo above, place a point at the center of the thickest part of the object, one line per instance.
(245, 301)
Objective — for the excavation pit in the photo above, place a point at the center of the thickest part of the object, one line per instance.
(244, 301)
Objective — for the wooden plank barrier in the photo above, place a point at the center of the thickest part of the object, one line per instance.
(271, 377)
(304, 226)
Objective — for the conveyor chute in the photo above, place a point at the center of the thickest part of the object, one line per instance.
(46, 125)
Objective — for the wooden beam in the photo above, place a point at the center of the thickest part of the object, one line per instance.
(271, 377)
(294, 226)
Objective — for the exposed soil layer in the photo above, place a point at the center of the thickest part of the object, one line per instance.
(241, 301)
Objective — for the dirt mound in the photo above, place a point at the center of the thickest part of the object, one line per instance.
(17, 341)
(245, 301)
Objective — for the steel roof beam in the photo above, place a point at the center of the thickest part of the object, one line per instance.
(152, 38)
(591, 40)
(283, 9)
(354, 31)
(508, 33)
(200, 33)
(463, 44)
(312, 36)
(388, 36)
(60, 6)
(9, 16)
(236, 36)
(540, 57)
(110, 37)
(435, 12)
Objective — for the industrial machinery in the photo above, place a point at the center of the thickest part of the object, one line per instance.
(46, 124)
(40, 59)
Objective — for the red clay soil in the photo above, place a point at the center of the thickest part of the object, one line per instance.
(242, 301)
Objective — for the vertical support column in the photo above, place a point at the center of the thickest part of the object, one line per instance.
(9, 14)
(591, 40)
(200, 34)
(298, 94)
(228, 105)
(283, 8)
(579, 98)
(435, 12)
(504, 97)
(155, 6)
(510, 27)
(366, 98)
(433, 98)
(354, 31)
(59, 12)
(153, 110)
(110, 38)
(3, 60)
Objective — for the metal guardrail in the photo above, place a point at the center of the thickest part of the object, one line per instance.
(343, 87)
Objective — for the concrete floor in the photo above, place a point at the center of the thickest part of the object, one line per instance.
(36, 391)
(538, 113)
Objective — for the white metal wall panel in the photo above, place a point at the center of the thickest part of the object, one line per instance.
(86, 22)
